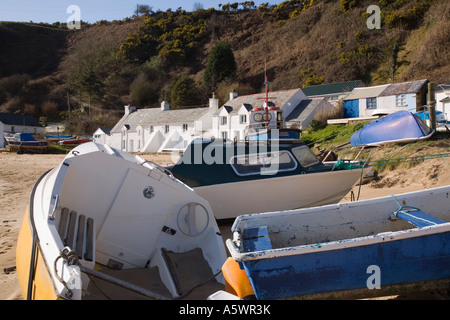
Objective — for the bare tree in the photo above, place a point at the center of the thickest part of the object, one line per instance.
(143, 9)
(197, 6)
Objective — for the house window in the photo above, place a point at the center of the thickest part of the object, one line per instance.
(166, 128)
(185, 127)
(279, 116)
(243, 118)
(371, 103)
(12, 129)
(223, 120)
(400, 100)
(151, 129)
(224, 135)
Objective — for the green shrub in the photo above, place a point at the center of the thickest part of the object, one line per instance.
(221, 65)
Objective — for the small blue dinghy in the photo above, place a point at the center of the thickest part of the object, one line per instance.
(376, 247)
(401, 126)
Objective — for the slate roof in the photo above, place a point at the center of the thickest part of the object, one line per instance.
(369, 92)
(106, 130)
(175, 116)
(156, 116)
(404, 87)
(331, 88)
(299, 114)
(277, 98)
(19, 120)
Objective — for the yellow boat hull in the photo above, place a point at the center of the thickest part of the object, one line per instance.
(41, 287)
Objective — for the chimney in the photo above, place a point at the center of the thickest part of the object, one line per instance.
(165, 106)
(233, 95)
(129, 109)
(213, 103)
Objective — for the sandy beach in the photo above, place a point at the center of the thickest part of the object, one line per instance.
(18, 173)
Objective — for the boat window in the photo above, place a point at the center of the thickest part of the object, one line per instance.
(305, 156)
(264, 163)
(258, 117)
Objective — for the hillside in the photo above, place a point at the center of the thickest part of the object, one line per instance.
(139, 60)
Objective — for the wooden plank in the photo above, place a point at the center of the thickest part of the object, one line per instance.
(69, 241)
(418, 218)
(63, 223)
(256, 239)
(89, 252)
(81, 234)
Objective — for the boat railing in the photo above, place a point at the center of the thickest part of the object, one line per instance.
(343, 159)
(154, 165)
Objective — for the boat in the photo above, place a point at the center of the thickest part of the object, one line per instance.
(399, 127)
(77, 140)
(282, 134)
(383, 246)
(425, 115)
(58, 137)
(107, 225)
(22, 142)
(258, 176)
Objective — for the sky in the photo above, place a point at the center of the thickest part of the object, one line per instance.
(91, 11)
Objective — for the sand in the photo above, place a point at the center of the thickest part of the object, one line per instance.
(18, 173)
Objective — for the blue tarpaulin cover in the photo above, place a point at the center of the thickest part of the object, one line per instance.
(26, 137)
(401, 126)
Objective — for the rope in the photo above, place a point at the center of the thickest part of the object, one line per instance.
(408, 159)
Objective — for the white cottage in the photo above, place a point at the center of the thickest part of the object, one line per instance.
(17, 123)
(385, 99)
(363, 102)
(160, 129)
(442, 97)
(240, 114)
(410, 96)
(101, 135)
(173, 130)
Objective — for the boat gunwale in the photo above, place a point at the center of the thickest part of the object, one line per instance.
(235, 245)
(334, 245)
(36, 243)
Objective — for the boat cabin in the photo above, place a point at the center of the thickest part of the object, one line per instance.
(209, 162)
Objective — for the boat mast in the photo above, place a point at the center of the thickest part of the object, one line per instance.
(266, 83)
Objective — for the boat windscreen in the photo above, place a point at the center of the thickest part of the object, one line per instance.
(305, 156)
(263, 163)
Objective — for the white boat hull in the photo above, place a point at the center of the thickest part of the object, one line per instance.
(230, 200)
(125, 217)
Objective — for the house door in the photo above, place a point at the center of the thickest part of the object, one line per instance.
(130, 146)
(351, 109)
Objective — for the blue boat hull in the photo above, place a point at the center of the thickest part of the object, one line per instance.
(410, 260)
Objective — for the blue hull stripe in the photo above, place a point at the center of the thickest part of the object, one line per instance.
(401, 261)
